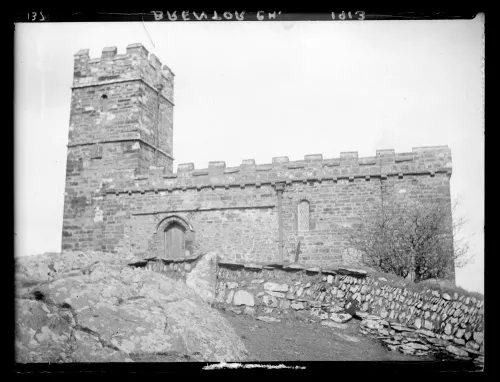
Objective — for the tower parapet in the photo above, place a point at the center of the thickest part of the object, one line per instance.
(111, 67)
(123, 103)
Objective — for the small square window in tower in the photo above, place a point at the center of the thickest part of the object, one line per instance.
(174, 241)
(303, 215)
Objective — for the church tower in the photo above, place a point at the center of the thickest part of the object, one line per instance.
(121, 124)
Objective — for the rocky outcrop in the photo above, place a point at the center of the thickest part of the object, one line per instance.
(94, 307)
(203, 278)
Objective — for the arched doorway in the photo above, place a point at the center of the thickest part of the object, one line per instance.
(174, 241)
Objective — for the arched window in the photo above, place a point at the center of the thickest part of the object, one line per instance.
(303, 215)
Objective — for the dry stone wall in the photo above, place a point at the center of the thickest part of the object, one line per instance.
(410, 321)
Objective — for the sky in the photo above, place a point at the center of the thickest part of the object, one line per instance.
(258, 90)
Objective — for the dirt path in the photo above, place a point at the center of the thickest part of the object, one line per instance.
(293, 340)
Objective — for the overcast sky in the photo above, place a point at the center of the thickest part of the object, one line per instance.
(259, 90)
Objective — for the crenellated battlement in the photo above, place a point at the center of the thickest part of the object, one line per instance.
(313, 168)
(135, 64)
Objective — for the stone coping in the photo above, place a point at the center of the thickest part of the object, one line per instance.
(144, 262)
(289, 266)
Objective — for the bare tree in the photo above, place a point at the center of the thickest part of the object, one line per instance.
(415, 238)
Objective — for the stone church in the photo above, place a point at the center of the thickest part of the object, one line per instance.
(123, 195)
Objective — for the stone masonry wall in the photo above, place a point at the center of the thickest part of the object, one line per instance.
(235, 213)
(121, 189)
(121, 123)
(413, 322)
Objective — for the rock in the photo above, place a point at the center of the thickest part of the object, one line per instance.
(249, 310)
(297, 306)
(448, 329)
(446, 296)
(323, 316)
(373, 317)
(472, 351)
(276, 287)
(371, 324)
(114, 311)
(293, 266)
(336, 309)
(231, 285)
(472, 345)
(253, 266)
(332, 324)
(329, 279)
(351, 272)
(314, 312)
(54, 344)
(284, 304)
(456, 351)
(257, 281)
(398, 337)
(340, 317)
(234, 310)
(428, 325)
(401, 328)
(313, 269)
(270, 301)
(438, 342)
(460, 333)
(383, 332)
(384, 323)
(426, 332)
(404, 348)
(391, 342)
(203, 278)
(230, 296)
(268, 319)
(418, 323)
(459, 341)
(275, 294)
(220, 295)
(478, 337)
(416, 346)
(393, 347)
(361, 314)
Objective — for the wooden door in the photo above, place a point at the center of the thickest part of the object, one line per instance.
(174, 242)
